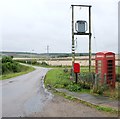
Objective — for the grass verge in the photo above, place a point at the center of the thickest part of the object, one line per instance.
(25, 70)
(57, 78)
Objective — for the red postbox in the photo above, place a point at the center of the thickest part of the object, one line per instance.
(105, 67)
(76, 70)
(76, 67)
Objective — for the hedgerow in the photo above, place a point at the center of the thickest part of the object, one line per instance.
(9, 65)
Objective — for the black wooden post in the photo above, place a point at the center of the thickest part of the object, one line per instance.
(76, 77)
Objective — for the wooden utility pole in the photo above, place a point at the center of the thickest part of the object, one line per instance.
(73, 44)
(90, 34)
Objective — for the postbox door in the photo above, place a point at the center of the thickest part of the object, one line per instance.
(76, 67)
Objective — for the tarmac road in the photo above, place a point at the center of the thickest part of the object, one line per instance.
(24, 95)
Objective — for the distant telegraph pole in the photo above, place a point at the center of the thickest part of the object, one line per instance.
(47, 56)
(47, 49)
(32, 55)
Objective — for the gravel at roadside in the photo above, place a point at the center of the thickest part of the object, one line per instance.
(61, 107)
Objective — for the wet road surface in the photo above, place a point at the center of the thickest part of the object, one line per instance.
(24, 95)
(61, 107)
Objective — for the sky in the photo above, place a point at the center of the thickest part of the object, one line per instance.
(32, 25)
(119, 27)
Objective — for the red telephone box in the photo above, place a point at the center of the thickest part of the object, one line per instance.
(105, 66)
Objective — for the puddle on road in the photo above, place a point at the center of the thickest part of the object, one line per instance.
(10, 82)
(37, 102)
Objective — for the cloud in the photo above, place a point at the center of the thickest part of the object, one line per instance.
(38, 23)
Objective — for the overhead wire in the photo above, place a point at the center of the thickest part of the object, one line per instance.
(94, 35)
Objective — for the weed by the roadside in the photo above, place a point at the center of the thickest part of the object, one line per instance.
(74, 87)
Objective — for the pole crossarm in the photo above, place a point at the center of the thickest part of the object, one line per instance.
(82, 33)
(82, 5)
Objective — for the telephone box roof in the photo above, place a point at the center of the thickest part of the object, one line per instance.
(105, 53)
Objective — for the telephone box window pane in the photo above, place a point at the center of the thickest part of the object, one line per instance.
(99, 64)
(99, 61)
(110, 69)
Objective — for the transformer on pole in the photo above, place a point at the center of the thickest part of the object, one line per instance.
(81, 28)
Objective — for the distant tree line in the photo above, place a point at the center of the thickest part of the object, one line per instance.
(70, 55)
(29, 54)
